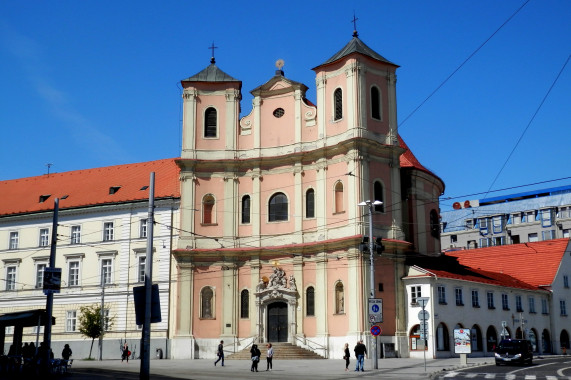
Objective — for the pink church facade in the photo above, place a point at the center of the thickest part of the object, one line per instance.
(269, 249)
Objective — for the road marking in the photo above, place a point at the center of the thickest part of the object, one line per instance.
(525, 369)
(551, 377)
(490, 376)
(510, 377)
(471, 375)
(451, 374)
(560, 371)
(530, 377)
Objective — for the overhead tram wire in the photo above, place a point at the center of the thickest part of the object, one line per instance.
(462, 64)
(529, 123)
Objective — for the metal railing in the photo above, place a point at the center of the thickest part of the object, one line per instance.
(238, 344)
(313, 346)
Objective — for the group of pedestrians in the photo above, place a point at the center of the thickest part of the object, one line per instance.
(255, 355)
(360, 354)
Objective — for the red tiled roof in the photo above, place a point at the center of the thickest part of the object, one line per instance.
(89, 187)
(452, 268)
(409, 160)
(533, 263)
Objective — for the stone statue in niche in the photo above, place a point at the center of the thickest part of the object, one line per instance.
(292, 285)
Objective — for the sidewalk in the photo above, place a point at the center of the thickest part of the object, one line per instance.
(200, 369)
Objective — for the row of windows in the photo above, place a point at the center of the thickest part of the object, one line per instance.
(207, 301)
(73, 277)
(75, 234)
(278, 205)
(415, 293)
(497, 223)
(211, 114)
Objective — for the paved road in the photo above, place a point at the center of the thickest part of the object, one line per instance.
(200, 369)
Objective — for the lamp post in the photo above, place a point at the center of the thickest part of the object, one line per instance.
(370, 205)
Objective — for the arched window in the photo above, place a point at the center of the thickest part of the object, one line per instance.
(476, 338)
(375, 103)
(378, 189)
(545, 341)
(245, 209)
(564, 339)
(491, 339)
(310, 204)
(339, 298)
(339, 197)
(208, 203)
(277, 207)
(210, 122)
(434, 224)
(338, 104)
(415, 341)
(245, 304)
(206, 302)
(442, 339)
(310, 301)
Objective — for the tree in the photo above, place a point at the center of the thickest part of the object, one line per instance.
(90, 323)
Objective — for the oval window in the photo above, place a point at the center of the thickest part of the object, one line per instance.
(279, 112)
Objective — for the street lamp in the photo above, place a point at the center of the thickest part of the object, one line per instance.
(370, 205)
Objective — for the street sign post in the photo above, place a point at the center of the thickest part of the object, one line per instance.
(375, 310)
(376, 330)
(423, 317)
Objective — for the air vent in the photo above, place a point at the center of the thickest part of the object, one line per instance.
(114, 189)
(44, 198)
(144, 187)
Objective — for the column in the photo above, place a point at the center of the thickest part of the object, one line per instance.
(189, 122)
(185, 303)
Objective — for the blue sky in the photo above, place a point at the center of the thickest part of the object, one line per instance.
(95, 83)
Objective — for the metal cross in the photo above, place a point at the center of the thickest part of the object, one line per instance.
(355, 34)
(213, 47)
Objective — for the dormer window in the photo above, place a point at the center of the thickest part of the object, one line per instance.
(114, 189)
(44, 198)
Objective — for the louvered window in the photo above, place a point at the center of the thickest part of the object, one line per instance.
(338, 99)
(375, 103)
(210, 119)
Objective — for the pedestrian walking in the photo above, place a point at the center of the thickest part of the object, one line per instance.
(126, 353)
(360, 354)
(346, 355)
(66, 352)
(270, 356)
(220, 353)
(255, 354)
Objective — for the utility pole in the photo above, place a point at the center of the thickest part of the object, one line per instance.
(146, 339)
(102, 317)
(50, 294)
(370, 205)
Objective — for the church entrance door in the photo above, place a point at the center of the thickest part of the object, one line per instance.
(277, 322)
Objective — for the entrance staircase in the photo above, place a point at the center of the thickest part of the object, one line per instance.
(282, 351)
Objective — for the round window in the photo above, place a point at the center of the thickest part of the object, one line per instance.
(279, 112)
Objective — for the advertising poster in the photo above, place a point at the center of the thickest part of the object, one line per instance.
(462, 341)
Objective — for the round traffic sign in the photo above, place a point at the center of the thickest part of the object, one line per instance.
(376, 330)
(423, 315)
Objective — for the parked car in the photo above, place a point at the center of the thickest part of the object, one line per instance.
(518, 351)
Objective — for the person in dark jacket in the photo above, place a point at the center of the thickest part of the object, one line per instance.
(346, 356)
(66, 352)
(220, 353)
(255, 354)
(360, 354)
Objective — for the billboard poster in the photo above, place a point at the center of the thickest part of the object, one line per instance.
(462, 341)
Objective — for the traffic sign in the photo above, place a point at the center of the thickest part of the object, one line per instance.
(376, 330)
(375, 310)
(422, 301)
(423, 315)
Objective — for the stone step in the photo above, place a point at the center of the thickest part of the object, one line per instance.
(282, 351)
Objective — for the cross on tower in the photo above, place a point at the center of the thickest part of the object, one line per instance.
(355, 34)
(212, 60)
